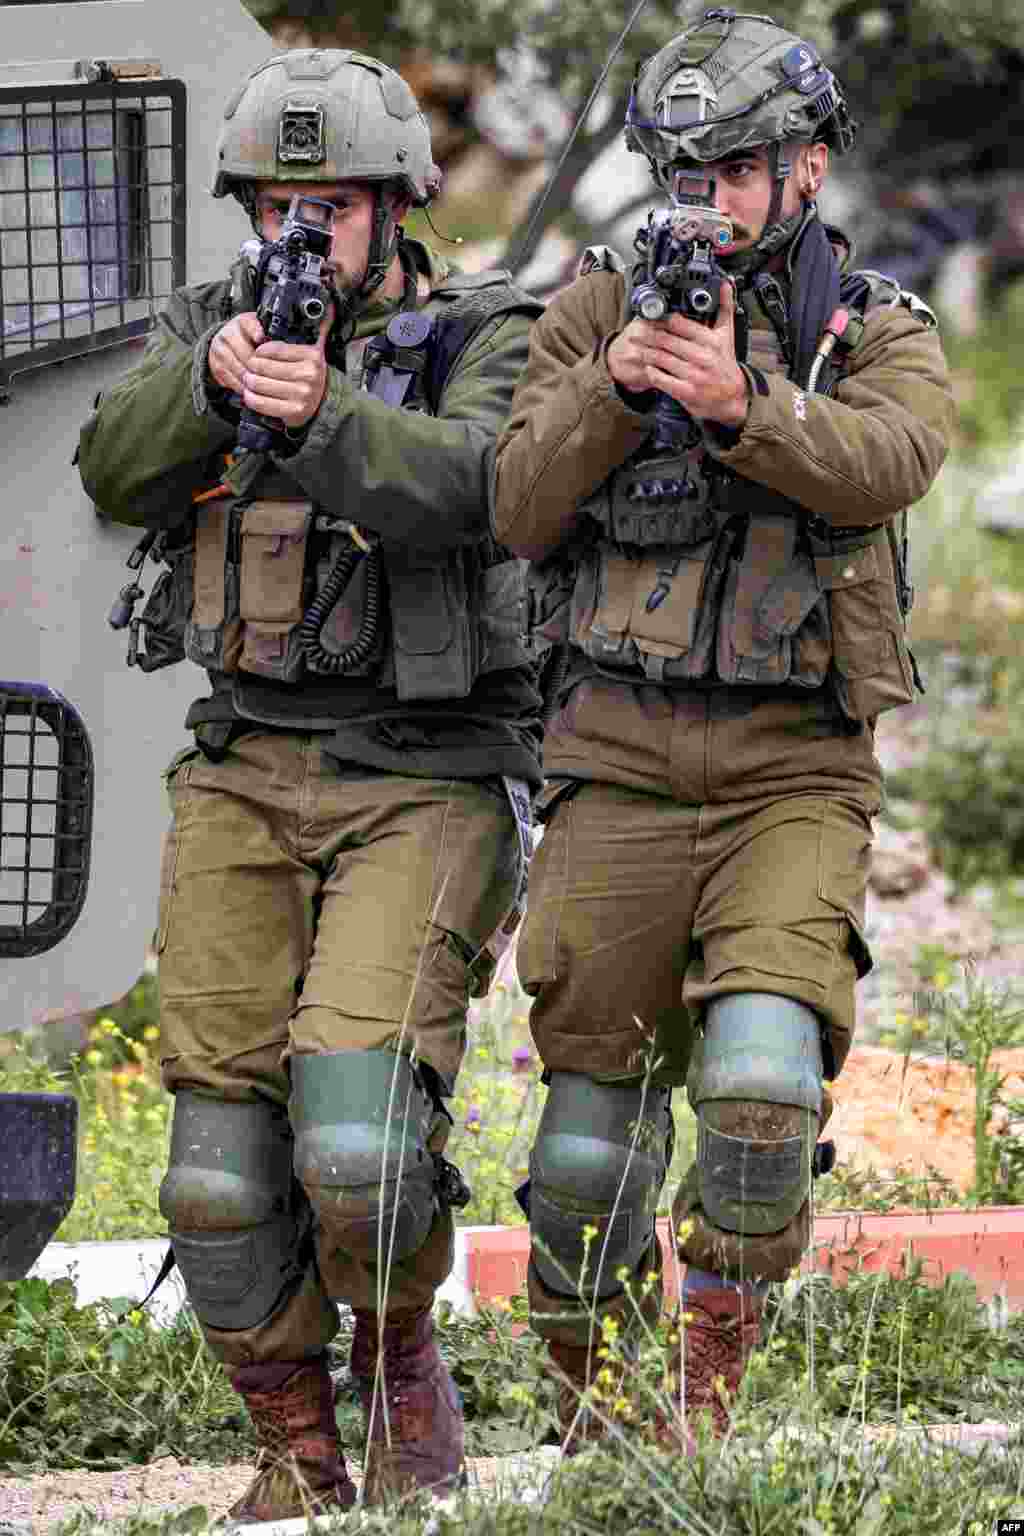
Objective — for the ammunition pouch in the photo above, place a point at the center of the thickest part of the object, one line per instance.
(452, 618)
(257, 568)
(213, 634)
(272, 586)
(268, 588)
(748, 589)
(872, 667)
(249, 587)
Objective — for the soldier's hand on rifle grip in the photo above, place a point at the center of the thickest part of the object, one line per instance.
(232, 348)
(696, 364)
(631, 352)
(288, 382)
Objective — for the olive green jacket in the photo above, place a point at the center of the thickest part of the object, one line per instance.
(857, 458)
(155, 436)
(861, 457)
(158, 437)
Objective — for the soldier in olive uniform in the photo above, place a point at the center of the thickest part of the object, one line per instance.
(727, 606)
(351, 828)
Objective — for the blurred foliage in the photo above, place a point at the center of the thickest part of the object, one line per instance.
(973, 760)
(934, 84)
(987, 365)
(580, 35)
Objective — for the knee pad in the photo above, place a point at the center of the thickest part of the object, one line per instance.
(755, 1085)
(235, 1216)
(582, 1167)
(361, 1122)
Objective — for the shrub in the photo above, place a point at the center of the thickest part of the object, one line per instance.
(969, 784)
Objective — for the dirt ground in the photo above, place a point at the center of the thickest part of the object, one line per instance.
(169, 1486)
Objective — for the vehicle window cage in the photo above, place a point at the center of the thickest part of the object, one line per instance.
(92, 215)
(46, 804)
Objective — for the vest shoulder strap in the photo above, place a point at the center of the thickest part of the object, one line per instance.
(468, 302)
(866, 290)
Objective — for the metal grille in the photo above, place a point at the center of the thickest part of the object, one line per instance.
(92, 215)
(46, 798)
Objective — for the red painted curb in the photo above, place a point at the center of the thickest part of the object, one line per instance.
(987, 1244)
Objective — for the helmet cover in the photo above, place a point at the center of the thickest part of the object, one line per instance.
(732, 82)
(326, 115)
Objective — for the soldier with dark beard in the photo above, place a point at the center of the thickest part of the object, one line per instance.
(351, 824)
(729, 611)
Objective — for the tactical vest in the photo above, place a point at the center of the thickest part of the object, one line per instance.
(691, 574)
(273, 586)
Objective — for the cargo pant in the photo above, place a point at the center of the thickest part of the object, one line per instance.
(647, 904)
(306, 907)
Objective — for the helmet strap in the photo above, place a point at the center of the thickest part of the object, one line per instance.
(781, 168)
(778, 232)
(383, 245)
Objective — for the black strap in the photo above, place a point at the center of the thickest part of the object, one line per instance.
(814, 296)
(772, 300)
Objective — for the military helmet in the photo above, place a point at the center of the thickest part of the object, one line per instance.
(325, 114)
(733, 81)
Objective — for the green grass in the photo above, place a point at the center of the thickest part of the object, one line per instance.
(80, 1389)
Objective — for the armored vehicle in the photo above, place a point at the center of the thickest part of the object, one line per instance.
(109, 114)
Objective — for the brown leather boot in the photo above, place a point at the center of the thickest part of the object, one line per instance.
(301, 1466)
(724, 1327)
(414, 1430)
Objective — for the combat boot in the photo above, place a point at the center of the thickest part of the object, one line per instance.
(415, 1428)
(724, 1327)
(301, 1466)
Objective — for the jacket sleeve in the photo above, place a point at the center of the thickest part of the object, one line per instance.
(414, 478)
(871, 451)
(569, 426)
(149, 444)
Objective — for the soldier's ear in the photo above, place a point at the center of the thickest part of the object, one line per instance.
(812, 169)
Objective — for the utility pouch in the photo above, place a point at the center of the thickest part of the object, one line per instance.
(769, 594)
(213, 634)
(271, 586)
(164, 619)
(873, 671)
(644, 610)
(435, 640)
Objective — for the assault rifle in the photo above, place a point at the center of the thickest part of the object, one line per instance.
(682, 277)
(292, 296)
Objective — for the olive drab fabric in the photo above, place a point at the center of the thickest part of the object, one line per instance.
(779, 568)
(448, 642)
